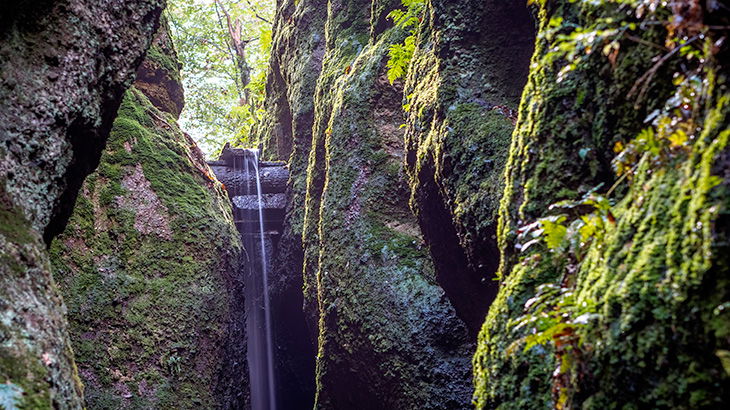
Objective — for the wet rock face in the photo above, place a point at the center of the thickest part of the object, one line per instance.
(464, 89)
(150, 268)
(63, 68)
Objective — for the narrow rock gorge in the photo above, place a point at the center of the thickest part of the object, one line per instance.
(364, 204)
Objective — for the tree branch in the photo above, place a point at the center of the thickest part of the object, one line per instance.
(256, 13)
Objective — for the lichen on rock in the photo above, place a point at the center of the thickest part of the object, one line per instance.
(375, 311)
(462, 94)
(642, 318)
(382, 322)
(64, 66)
(150, 268)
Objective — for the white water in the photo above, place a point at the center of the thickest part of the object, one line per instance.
(259, 335)
(265, 270)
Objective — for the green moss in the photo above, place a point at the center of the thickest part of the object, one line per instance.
(162, 52)
(13, 225)
(544, 163)
(24, 376)
(164, 61)
(363, 252)
(460, 94)
(663, 267)
(478, 161)
(135, 296)
(386, 243)
(657, 277)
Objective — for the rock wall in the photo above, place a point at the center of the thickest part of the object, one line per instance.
(296, 61)
(463, 89)
(603, 215)
(621, 301)
(64, 66)
(380, 320)
(150, 263)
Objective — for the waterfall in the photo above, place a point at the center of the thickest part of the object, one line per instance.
(258, 312)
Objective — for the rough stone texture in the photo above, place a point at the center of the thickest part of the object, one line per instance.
(273, 179)
(657, 278)
(296, 60)
(150, 269)
(63, 68)
(266, 201)
(465, 81)
(384, 325)
(370, 298)
(158, 77)
(36, 361)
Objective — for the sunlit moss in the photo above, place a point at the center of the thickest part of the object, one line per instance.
(137, 298)
(658, 276)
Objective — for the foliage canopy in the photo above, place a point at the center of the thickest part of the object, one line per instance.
(224, 47)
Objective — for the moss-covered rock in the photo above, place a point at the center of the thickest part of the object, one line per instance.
(642, 320)
(464, 83)
(346, 32)
(384, 325)
(158, 77)
(150, 267)
(64, 66)
(36, 361)
(295, 64)
(380, 320)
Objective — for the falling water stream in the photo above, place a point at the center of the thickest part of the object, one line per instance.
(258, 313)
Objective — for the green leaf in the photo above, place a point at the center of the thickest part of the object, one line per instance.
(554, 231)
(724, 357)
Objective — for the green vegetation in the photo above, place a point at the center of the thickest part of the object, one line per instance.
(224, 48)
(615, 299)
(400, 54)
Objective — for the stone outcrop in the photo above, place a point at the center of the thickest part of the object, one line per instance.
(630, 305)
(64, 66)
(158, 77)
(463, 90)
(380, 320)
(150, 264)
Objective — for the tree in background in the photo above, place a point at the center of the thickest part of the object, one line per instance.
(224, 47)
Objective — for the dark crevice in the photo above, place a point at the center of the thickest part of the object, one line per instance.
(294, 349)
(466, 256)
(469, 292)
(87, 144)
(22, 15)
